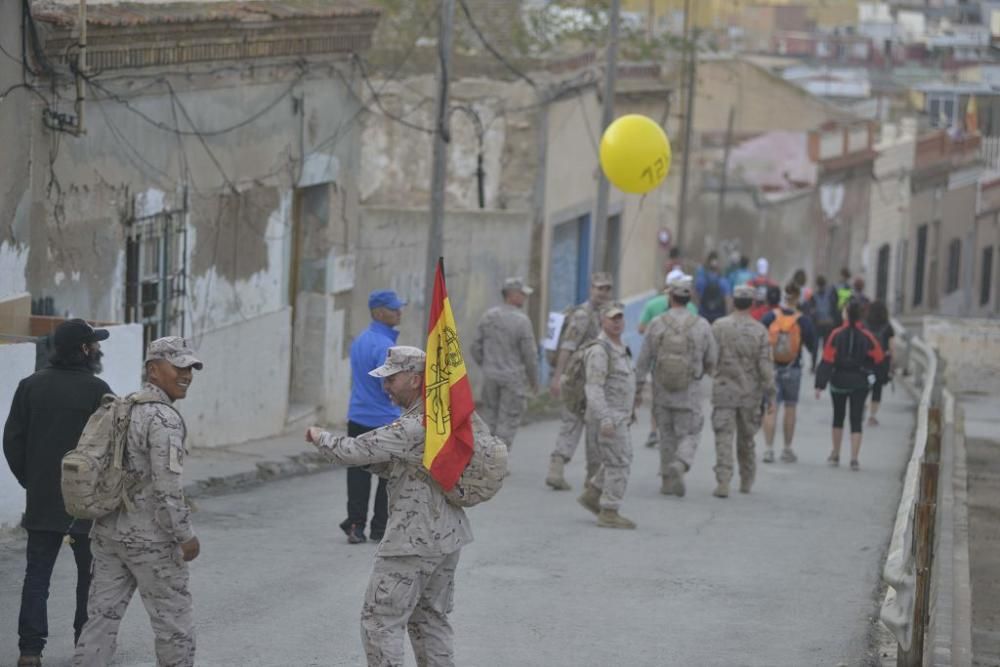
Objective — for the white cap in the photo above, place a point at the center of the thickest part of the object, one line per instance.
(675, 274)
(762, 266)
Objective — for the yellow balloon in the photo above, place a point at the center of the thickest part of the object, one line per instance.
(635, 153)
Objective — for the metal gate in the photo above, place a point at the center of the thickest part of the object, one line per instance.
(156, 274)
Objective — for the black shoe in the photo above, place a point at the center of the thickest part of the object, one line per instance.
(355, 532)
(376, 535)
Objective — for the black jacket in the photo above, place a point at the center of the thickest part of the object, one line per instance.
(47, 416)
(850, 355)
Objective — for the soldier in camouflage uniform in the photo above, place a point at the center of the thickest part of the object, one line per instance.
(413, 579)
(149, 541)
(583, 326)
(678, 414)
(507, 353)
(610, 390)
(744, 383)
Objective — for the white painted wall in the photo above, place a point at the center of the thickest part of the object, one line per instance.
(242, 393)
(13, 259)
(123, 355)
(16, 362)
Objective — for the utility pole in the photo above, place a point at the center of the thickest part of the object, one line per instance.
(600, 259)
(442, 137)
(691, 46)
(725, 173)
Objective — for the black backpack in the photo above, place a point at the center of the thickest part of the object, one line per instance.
(713, 300)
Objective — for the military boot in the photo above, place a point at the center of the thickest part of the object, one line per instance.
(721, 490)
(29, 661)
(590, 498)
(678, 469)
(667, 485)
(612, 519)
(555, 478)
(745, 485)
(592, 469)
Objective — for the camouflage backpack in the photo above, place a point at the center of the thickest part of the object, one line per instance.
(94, 480)
(674, 370)
(574, 380)
(483, 476)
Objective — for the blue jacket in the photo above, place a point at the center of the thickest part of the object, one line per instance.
(369, 405)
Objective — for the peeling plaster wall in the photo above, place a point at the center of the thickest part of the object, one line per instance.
(16, 110)
(231, 189)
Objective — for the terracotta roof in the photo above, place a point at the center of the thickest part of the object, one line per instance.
(119, 14)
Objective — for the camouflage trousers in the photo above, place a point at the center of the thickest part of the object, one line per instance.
(502, 405)
(615, 461)
(409, 594)
(743, 423)
(161, 576)
(679, 430)
(570, 429)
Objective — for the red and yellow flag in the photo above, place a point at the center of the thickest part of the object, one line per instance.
(448, 400)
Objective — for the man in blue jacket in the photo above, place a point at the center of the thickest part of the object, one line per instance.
(369, 409)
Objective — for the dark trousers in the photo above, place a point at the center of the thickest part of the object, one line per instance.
(359, 490)
(856, 399)
(33, 622)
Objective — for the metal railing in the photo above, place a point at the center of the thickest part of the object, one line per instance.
(907, 572)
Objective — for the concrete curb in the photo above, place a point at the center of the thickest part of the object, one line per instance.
(292, 466)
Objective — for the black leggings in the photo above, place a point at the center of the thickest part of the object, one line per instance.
(857, 408)
(877, 392)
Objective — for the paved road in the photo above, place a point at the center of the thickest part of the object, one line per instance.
(782, 577)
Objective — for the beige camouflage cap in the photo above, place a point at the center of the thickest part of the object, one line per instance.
(174, 349)
(681, 285)
(613, 309)
(517, 283)
(743, 292)
(401, 358)
(599, 278)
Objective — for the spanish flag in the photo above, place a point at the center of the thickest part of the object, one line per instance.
(448, 401)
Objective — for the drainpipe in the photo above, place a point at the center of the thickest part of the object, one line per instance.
(81, 67)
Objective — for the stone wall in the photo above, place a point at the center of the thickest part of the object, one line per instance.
(971, 348)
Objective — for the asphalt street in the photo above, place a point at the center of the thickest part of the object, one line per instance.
(785, 576)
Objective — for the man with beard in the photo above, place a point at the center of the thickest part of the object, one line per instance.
(412, 584)
(47, 416)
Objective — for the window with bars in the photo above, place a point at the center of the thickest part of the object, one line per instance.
(156, 274)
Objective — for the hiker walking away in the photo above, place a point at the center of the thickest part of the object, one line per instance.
(852, 358)
(148, 542)
(743, 387)
(880, 327)
(678, 349)
(610, 394)
(653, 309)
(714, 291)
(506, 351)
(580, 326)
(789, 331)
(822, 308)
(47, 415)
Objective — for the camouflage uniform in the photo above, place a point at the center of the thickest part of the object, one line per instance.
(744, 381)
(137, 546)
(584, 326)
(413, 578)
(678, 414)
(610, 393)
(507, 353)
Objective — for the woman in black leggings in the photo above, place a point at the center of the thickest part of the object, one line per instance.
(851, 358)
